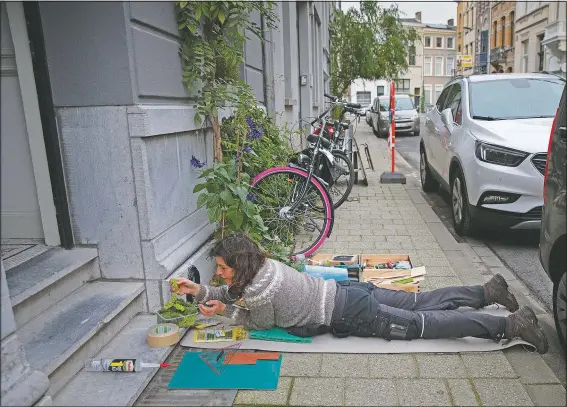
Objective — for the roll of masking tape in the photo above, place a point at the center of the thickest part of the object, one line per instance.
(162, 335)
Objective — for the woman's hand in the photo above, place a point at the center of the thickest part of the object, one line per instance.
(211, 308)
(185, 286)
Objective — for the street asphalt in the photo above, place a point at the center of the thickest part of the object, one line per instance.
(516, 249)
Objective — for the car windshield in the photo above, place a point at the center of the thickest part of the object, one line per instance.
(521, 98)
(401, 104)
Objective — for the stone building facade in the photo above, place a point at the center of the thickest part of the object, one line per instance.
(503, 16)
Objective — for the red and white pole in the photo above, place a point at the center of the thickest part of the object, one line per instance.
(393, 124)
(392, 177)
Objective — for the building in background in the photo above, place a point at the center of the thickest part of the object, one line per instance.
(469, 37)
(482, 37)
(432, 62)
(439, 58)
(97, 138)
(502, 42)
(540, 39)
(410, 82)
(555, 39)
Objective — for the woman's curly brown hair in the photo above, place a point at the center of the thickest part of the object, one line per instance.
(243, 255)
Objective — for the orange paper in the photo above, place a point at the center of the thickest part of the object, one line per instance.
(247, 358)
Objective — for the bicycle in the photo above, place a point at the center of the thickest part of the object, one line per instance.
(335, 167)
(345, 141)
(294, 202)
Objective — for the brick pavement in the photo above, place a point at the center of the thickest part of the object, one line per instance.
(397, 219)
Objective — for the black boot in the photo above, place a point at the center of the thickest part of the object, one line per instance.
(521, 324)
(496, 292)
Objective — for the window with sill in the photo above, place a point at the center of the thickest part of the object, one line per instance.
(411, 55)
(427, 66)
(438, 66)
(403, 86)
(427, 42)
(438, 42)
(450, 43)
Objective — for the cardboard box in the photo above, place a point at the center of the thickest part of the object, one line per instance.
(386, 278)
(334, 259)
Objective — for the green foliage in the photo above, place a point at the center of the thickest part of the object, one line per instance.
(268, 151)
(176, 308)
(225, 193)
(370, 43)
(422, 100)
(213, 36)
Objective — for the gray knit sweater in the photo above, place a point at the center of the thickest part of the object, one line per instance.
(278, 296)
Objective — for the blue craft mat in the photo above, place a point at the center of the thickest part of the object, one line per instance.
(194, 373)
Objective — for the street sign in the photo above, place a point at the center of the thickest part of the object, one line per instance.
(464, 61)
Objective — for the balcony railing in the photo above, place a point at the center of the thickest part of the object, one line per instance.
(554, 32)
(497, 55)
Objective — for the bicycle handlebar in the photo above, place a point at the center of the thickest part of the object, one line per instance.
(333, 98)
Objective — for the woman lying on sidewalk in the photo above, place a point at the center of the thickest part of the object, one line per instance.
(270, 294)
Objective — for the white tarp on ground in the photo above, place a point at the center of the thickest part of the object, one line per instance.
(330, 344)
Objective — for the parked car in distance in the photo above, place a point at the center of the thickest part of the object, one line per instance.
(485, 141)
(363, 110)
(552, 243)
(406, 116)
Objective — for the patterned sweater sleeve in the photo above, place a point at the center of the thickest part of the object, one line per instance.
(208, 292)
(259, 317)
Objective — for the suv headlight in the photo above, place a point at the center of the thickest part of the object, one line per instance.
(492, 154)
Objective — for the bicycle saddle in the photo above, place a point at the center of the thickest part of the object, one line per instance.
(312, 138)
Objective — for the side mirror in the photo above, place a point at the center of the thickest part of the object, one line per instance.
(447, 119)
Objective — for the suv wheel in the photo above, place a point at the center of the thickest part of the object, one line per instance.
(462, 220)
(560, 309)
(428, 183)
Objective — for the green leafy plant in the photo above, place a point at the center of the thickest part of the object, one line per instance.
(368, 43)
(183, 313)
(422, 100)
(213, 37)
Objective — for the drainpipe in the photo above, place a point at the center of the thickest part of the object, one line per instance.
(489, 45)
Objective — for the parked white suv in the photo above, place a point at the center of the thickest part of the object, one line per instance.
(485, 141)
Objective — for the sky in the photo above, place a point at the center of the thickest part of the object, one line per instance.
(436, 12)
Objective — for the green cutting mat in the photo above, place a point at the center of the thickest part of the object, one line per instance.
(278, 335)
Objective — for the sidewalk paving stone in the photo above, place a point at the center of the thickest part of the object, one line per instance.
(389, 366)
(278, 397)
(301, 364)
(370, 392)
(531, 368)
(502, 392)
(440, 365)
(487, 364)
(547, 394)
(344, 365)
(309, 391)
(462, 393)
(423, 392)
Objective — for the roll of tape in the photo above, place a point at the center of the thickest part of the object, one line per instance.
(162, 335)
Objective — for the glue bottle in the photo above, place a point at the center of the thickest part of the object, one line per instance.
(120, 365)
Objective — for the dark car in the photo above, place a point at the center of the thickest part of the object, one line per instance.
(552, 245)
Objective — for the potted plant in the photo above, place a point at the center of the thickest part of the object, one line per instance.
(177, 311)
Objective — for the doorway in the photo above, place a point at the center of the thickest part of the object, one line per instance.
(29, 218)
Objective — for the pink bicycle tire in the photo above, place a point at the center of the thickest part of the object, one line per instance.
(320, 188)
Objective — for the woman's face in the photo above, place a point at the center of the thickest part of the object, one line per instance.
(223, 271)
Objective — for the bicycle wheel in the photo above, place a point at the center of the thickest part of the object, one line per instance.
(343, 178)
(305, 228)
